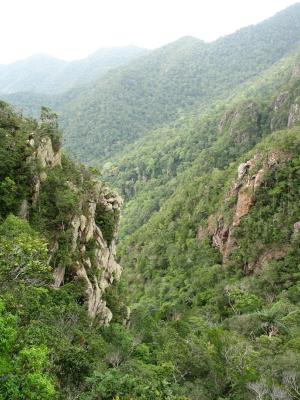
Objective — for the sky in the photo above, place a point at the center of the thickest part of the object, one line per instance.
(72, 29)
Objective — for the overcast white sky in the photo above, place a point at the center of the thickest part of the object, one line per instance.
(71, 29)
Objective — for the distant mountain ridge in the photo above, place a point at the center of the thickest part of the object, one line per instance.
(202, 140)
(181, 77)
(101, 117)
(46, 74)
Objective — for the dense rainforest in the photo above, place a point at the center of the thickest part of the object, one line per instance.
(190, 290)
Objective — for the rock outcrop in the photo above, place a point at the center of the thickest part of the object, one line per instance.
(250, 176)
(294, 115)
(241, 124)
(93, 253)
(281, 100)
(243, 189)
(265, 258)
(221, 236)
(43, 156)
(97, 266)
(296, 227)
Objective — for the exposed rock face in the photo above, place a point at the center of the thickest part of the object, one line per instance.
(246, 191)
(281, 100)
(297, 227)
(244, 203)
(243, 168)
(46, 155)
(294, 115)
(265, 258)
(249, 179)
(221, 235)
(59, 274)
(23, 213)
(243, 189)
(99, 269)
(279, 119)
(93, 254)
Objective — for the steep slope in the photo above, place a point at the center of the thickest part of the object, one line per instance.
(32, 74)
(57, 262)
(210, 249)
(186, 76)
(213, 277)
(44, 74)
(83, 72)
(214, 273)
(29, 103)
(156, 89)
(147, 172)
(78, 215)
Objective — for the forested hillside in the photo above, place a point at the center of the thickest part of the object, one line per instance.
(180, 77)
(43, 74)
(210, 247)
(147, 171)
(210, 242)
(183, 77)
(57, 264)
(212, 279)
(213, 276)
(202, 141)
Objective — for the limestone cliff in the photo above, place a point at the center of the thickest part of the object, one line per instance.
(91, 249)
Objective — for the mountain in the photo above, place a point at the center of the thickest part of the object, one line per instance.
(152, 91)
(211, 275)
(186, 76)
(214, 277)
(210, 244)
(43, 74)
(30, 74)
(207, 306)
(146, 172)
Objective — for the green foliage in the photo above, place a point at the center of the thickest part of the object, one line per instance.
(49, 126)
(174, 275)
(27, 380)
(21, 370)
(156, 89)
(186, 76)
(13, 150)
(8, 193)
(23, 254)
(42, 75)
(8, 331)
(106, 220)
(202, 325)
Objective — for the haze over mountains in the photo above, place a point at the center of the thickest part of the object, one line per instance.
(202, 141)
(127, 102)
(46, 74)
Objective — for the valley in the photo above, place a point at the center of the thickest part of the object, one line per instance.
(150, 221)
